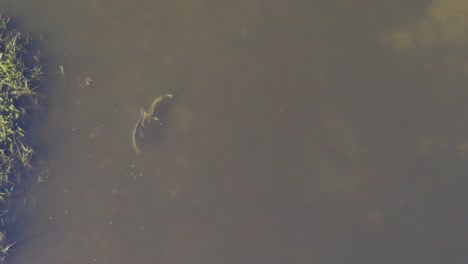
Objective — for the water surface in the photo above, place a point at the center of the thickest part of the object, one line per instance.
(299, 132)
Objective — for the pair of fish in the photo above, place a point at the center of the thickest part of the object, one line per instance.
(145, 118)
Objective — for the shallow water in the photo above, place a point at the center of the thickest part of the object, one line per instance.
(299, 132)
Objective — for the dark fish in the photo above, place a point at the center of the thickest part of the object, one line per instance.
(145, 118)
(150, 114)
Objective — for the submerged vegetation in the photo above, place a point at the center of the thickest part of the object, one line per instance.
(19, 76)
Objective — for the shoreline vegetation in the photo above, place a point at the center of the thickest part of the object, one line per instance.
(19, 76)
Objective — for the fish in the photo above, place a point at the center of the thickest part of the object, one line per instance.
(150, 115)
(137, 133)
(146, 116)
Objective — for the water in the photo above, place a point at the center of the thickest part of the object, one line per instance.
(299, 132)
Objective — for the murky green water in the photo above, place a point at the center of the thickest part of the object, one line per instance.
(299, 132)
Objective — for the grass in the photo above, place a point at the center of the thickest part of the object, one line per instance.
(19, 76)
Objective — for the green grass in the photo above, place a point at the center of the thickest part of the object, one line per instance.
(19, 76)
